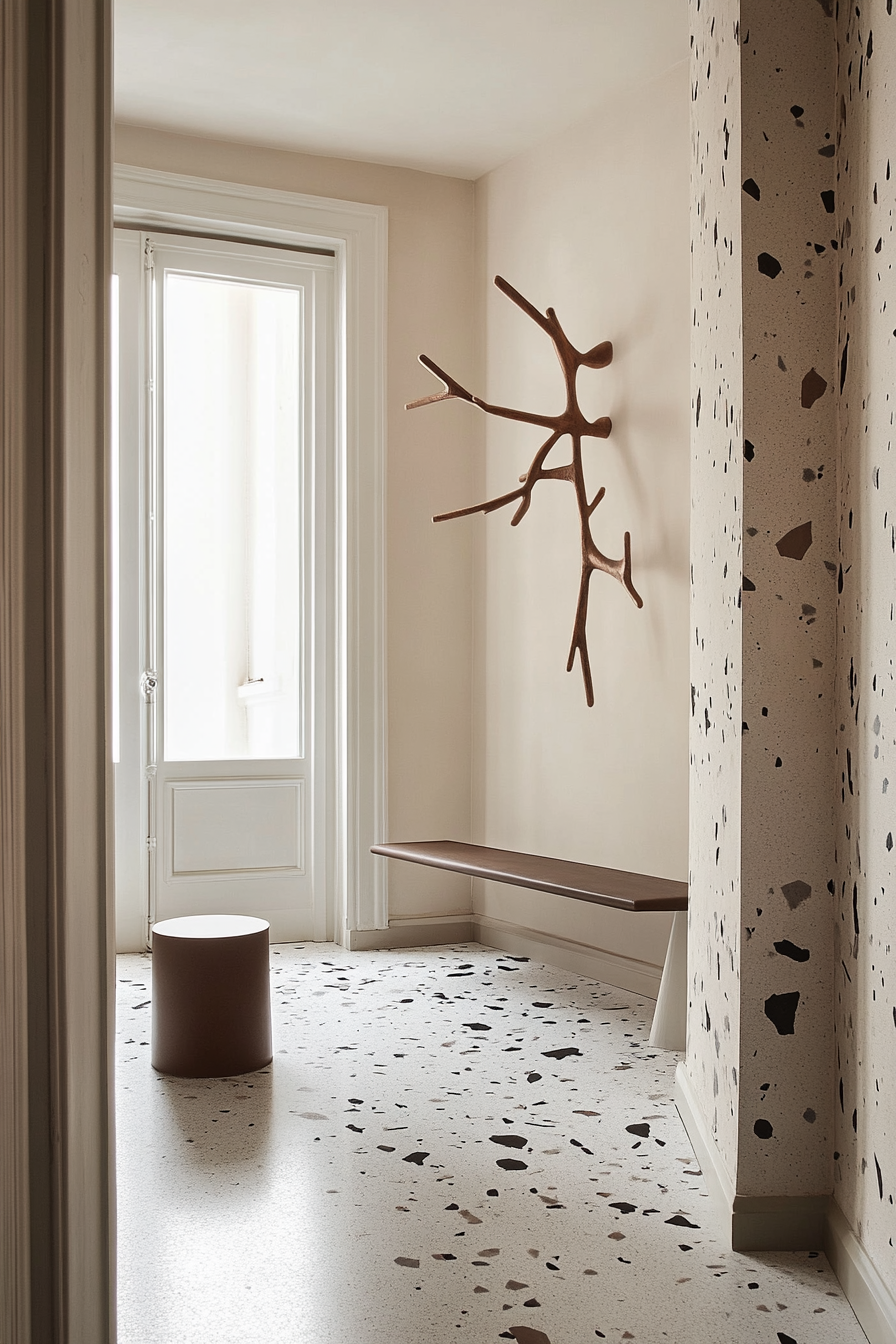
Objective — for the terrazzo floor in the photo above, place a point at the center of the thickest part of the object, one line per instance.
(450, 1144)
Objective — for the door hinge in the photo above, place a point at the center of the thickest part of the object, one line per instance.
(150, 842)
(148, 684)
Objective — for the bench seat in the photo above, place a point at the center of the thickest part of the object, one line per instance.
(580, 882)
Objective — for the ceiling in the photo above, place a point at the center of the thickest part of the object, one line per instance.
(447, 86)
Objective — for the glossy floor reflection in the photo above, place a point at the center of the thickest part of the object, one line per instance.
(450, 1143)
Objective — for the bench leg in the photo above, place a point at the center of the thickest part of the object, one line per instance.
(670, 1018)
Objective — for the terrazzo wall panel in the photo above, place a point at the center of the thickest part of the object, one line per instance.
(865, 1001)
(763, 477)
(789, 596)
(716, 509)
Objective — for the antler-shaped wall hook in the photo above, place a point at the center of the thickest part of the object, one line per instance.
(572, 422)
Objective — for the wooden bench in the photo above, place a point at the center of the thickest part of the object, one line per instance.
(580, 882)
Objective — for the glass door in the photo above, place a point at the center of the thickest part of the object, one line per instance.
(232, 584)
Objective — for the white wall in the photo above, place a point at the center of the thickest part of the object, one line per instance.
(595, 224)
(429, 580)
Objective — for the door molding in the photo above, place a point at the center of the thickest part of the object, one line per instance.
(180, 791)
(357, 233)
(56, 1197)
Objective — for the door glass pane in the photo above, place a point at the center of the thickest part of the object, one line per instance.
(231, 471)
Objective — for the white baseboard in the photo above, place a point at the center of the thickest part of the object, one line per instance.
(870, 1298)
(597, 963)
(423, 931)
(610, 968)
(749, 1222)
(719, 1186)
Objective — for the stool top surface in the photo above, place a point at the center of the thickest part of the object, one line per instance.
(210, 926)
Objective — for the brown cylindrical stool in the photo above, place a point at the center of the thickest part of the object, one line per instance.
(211, 996)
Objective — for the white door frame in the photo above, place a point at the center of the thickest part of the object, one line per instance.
(357, 233)
(299, 904)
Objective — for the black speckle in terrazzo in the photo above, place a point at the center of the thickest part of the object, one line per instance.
(780, 1009)
(796, 892)
(813, 386)
(763, 1130)
(788, 949)
(795, 543)
(768, 265)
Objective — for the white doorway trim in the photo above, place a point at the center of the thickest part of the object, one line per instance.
(56, 975)
(357, 233)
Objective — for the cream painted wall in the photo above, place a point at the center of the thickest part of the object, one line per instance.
(595, 224)
(429, 580)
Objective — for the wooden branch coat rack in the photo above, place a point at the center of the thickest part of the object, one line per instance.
(572, 422)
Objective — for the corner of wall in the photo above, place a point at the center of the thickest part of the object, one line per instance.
(714, 924)
(864, 990)
(747, 1223)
